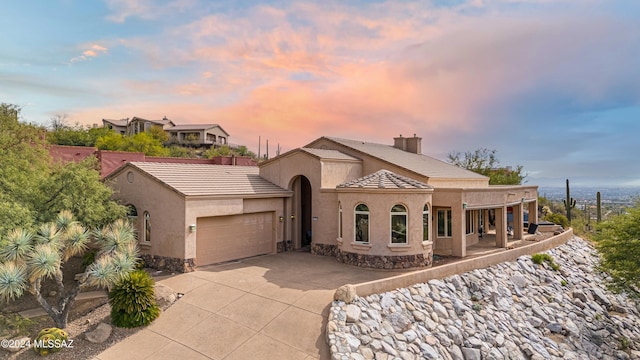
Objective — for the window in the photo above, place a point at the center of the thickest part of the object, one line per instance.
(339, 220)
(362, 223)
(398, 224)
(444, 223)
(469, 220)
(425, 223)
(147, 228)
(132, 215)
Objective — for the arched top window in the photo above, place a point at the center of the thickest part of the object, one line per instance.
(147, 227)
(399, 224)
(339, 220)
(425, 222)
(132, 212)
(361, 223)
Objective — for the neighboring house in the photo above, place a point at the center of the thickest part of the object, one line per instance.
(188, 134)
(367, 204)
(199, 134)
(119, 126)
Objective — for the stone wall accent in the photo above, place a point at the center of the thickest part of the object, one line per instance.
(324, 249)
(168, 263)
(385, 262)
(283, 246)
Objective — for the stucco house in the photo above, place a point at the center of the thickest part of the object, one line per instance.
(367, 204)
(198, 134)
(188, 134)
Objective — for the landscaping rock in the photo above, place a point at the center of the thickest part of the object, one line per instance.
(100, 334)
(165, 296)
(345, 293)
(506, 311)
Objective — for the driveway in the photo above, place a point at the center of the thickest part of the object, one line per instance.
(267, 307)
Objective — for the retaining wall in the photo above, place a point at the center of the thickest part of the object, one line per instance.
(442, 271)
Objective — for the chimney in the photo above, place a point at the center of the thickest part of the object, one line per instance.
(412, 144)
(400, 143)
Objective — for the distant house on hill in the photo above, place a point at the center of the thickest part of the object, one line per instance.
(187, 134)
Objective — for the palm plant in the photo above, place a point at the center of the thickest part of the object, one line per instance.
(27, 259)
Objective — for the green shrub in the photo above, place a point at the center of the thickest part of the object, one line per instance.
(133, 301)
(541, 257)
(558, 219)
(50, 340)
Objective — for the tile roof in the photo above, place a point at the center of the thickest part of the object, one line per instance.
(385, 179)
(328, 154)
(193, 127)
(202, 179)
(418, 163)
(118, 122)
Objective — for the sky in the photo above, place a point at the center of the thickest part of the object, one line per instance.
(552, 85)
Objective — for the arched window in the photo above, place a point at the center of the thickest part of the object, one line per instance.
(339, 220)
(362, 223)
(425, 223)
(147, 227)
(399, 224)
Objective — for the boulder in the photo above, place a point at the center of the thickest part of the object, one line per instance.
(165, 296)
(345, 293)
(100, 334)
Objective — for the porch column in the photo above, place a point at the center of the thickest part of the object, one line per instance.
(518, 221)
(458, 237)
(533, 212)
(501, 227)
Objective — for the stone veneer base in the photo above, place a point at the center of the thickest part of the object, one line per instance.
(168, 263)
(374, 261)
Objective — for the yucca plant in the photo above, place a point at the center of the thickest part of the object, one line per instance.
(27, 259)
(133, 301)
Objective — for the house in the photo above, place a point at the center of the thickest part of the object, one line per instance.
(212, 213)
(199, 134)
(188, 134)
(367, 204)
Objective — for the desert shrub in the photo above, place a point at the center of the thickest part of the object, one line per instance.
(133, 301)
(541, 257)
(557, 219)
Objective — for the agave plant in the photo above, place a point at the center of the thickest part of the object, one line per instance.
(26, 260)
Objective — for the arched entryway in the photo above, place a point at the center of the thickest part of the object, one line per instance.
(301, 231)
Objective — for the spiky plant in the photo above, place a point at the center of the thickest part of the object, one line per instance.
(133, 301)
(26, 260)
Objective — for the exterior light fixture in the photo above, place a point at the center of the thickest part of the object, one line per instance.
(523, 199)
(293, 217)
(192, 228)
(464, 205)
(281, 218)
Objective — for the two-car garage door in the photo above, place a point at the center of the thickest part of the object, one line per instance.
(224, 238)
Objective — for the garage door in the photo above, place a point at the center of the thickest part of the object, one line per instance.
(224, 238)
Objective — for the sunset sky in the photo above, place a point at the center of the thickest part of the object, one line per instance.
(551, 85)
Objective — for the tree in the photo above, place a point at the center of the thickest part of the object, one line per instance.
(33, 189)
(76, 135)
(484, 162)
(59, 122)
(618, 242)
(140, 142)
(28, 260)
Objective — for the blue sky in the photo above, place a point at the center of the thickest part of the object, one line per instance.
(551, 85)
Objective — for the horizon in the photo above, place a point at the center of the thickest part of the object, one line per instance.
(552, 86)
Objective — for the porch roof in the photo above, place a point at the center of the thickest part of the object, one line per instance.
(385, 179)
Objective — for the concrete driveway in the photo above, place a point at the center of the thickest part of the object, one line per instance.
(267, 307)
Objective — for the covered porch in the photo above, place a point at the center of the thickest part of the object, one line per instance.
(484, 219)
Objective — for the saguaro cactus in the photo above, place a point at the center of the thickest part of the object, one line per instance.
(598, 207)
(569, 203)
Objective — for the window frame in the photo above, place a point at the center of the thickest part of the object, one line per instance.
(146, 233)
(447, 223)
(339, 220)
(426, 219)
(469, 222)
(356, 227)
(399, 214)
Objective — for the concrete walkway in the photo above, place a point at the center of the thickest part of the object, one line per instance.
(268, 307)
